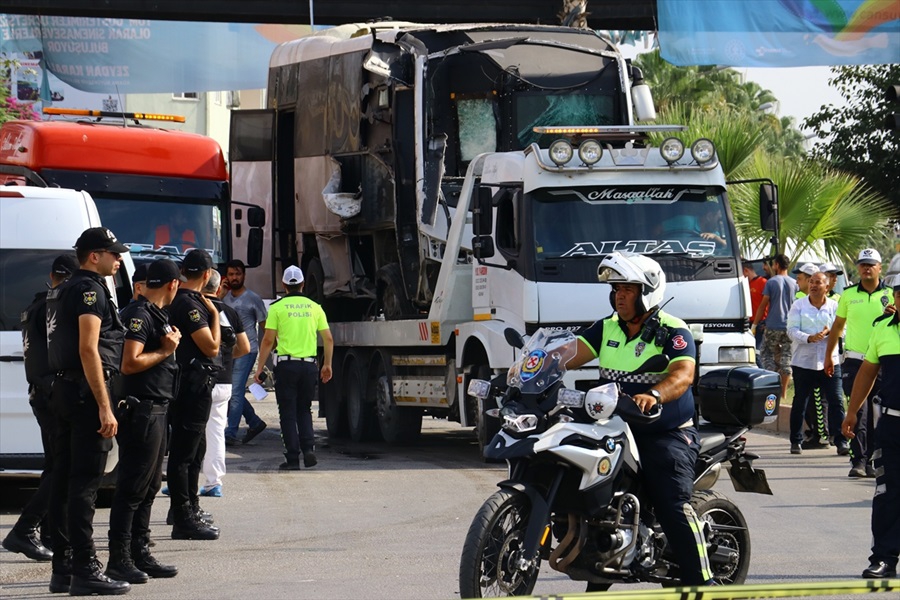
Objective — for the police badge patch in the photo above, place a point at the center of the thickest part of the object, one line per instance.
(89, 298)
(639, 349)
(136, 325)
(884, 301)
(194, 316)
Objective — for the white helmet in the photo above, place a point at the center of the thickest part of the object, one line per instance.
(641, 270)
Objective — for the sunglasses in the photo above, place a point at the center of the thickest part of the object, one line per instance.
(118, 255)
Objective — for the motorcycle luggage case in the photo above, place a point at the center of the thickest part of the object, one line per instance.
(744, 396)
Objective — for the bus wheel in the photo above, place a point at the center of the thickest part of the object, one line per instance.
(360, 416)
(399, 425)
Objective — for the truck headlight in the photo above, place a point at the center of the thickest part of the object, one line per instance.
(703, 151)
(561, 152)
(672, 149)
(590, 152)
(737, 354)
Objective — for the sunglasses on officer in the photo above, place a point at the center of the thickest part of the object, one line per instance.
(117, 255)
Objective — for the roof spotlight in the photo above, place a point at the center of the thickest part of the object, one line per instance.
(590, 152)
(672, 149)
(703, 151)
(561, 152)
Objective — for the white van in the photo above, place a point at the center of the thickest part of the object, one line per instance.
(36, 225)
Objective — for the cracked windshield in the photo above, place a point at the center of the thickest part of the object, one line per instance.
(648, 220)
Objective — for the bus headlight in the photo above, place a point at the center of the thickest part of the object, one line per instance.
(672, 149)
(703, 151)
(561, 152)
(590, 152)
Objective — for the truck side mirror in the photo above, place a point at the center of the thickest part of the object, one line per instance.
(482, 246)
(768, 207)
(256, 217)
(254, 247)
(483, 213)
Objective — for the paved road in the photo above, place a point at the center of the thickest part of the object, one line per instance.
(374, 522)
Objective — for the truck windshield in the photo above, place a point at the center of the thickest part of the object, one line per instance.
(149, 228)
(548, 110)
(594, 221)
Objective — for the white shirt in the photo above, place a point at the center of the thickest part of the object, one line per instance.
(805, 320)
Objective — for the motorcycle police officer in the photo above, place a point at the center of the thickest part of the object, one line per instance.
(149, 375)
(23, 536)
(883, 353)
(668, 448)
(294, 321)
(198, 320)
(84, 336)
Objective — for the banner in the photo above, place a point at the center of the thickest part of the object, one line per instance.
(124, 56)
(779, 33)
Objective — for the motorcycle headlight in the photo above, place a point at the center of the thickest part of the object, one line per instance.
(570, 398)
(479, 388)
(520, 423)
(736, 354)
(600, 402)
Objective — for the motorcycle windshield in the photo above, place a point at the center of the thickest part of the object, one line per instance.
(542, 361)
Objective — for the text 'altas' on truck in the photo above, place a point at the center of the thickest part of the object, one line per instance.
(386, 147)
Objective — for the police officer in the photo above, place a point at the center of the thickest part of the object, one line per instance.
(138, 281)
(294, 320)
(198, 321)
(23, 536)
(858, 308)
(84, 336)
(148, 384)
(882, 354)
(668, 447)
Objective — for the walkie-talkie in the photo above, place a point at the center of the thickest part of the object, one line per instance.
(652, 332)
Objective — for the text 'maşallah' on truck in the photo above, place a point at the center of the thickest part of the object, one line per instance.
(385, 143)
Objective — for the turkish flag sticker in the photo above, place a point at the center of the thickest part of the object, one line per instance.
(678, 342)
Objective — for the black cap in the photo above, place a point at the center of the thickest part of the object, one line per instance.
(140, 273)
(197, 261)
(64, 265)
(161, 272)
(99, 238)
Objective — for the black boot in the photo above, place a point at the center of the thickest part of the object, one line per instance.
(121, 566)
(25, 541)
(62, 571)
(88, 579)
(188, 527)
(146, 562)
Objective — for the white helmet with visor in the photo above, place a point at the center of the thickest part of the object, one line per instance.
(637, 269)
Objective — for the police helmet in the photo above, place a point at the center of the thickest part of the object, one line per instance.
(637, 269)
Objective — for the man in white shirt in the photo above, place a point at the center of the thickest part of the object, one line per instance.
(808, 323)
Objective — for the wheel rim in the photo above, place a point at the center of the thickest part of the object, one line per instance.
(503, 548)
(723, 573)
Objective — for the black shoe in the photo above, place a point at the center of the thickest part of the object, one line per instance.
(289, 466)
(91, 580)
(879, 570)
(232, 441)
(870, 470)
(59, 583)
(254, 431)
(843, 448)
(121, 566)
(795, 449)
(309, 459)
(146, 562)
(857, 470)
(27, 544)
(194, 529)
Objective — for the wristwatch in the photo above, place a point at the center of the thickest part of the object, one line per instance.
(657, 395)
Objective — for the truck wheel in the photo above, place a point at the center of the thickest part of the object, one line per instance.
(485, 427)
(360, 416)
(398, 425)
(314, 281)
(332, 401)
(392, 298)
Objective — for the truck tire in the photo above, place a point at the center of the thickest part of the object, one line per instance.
(332, 400)
(360, 414)
(399, 425)
(392, 298)
(314, 281)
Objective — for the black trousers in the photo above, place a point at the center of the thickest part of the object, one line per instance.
(141, 453)
(886, 503)
(187, 445)
(861, 447)
(79, 459)
(295, 388)
(667, 469)
(34, 513)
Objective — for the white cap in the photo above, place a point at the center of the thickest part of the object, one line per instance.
(293, 275)
(869, 256)
(830, 268)
(807, 268)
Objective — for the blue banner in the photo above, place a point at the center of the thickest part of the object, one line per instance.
(139, 56)
(779, 33)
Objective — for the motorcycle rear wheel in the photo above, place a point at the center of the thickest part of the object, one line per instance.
(716, 509)
(492, 547)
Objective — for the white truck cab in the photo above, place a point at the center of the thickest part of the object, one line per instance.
(36, 225)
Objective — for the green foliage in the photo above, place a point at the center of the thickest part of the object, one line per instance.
(10, 107)
(856, 140)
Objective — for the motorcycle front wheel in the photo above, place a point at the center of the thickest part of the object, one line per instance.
(489, 563)
(728, 541)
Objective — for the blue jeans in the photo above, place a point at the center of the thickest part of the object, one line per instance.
(238, 406)
(805, 381)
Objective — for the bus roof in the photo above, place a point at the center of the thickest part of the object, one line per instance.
(108, 148)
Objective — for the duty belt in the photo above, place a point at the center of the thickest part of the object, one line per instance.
(78, 374)
(285, 357)
(854, 355)
(894, 412)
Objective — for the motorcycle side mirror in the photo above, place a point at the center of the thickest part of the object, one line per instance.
(654, 364)
(514, 338)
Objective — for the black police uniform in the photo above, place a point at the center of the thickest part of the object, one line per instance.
(79, 451)
(669, 447)
(142, 432)
(189, 412)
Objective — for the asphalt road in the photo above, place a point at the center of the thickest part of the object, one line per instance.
(377, 522)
